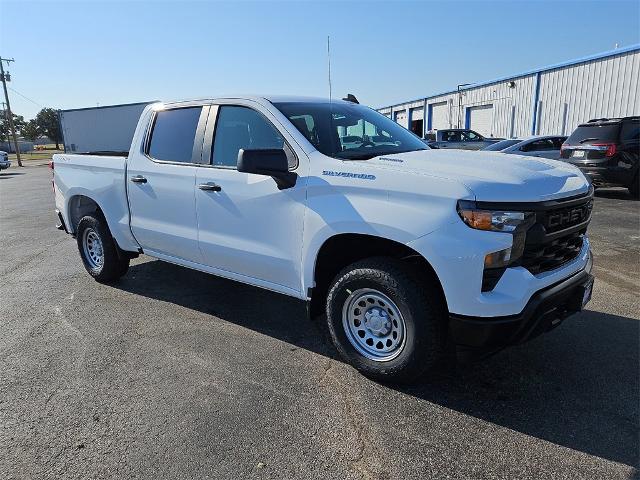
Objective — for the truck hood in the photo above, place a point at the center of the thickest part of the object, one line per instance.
(492, 176)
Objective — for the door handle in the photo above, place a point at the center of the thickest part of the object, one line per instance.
(210, 186)
(138, 179)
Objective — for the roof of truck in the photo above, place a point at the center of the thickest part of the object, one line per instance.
(301, 99)
(258, 98)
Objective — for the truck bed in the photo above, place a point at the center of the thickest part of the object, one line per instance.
(99, 177)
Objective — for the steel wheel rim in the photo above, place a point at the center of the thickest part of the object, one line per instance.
(93, 249)
(374, 325)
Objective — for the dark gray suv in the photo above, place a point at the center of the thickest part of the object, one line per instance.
(607, 150)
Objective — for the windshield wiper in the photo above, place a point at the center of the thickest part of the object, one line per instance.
(587, 139)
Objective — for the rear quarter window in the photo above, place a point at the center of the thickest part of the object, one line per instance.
(630, 131)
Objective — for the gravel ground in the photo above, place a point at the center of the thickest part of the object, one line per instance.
(176, 374)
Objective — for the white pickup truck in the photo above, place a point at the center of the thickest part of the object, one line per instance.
(408, 251)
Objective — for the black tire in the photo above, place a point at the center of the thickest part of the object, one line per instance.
(634, 188)
(113, 265)
(420, 303)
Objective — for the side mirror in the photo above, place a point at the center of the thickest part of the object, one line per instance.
(269, 162)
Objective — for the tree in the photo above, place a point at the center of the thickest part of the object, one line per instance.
(5, 130)
(47, 120)
(31, 130)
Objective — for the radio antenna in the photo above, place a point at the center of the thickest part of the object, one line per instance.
(329, 64)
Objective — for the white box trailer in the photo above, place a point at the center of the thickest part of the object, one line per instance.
(109, 128)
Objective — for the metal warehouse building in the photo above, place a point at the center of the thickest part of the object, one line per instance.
(547, 101)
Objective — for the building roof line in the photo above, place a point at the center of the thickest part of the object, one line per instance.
(568, 63)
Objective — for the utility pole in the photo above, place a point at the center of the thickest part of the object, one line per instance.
(6, 77)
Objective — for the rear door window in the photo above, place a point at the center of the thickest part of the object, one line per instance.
(451, 136)
(173, 134)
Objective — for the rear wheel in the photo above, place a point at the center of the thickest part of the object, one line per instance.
(98, 250)
(387, 321)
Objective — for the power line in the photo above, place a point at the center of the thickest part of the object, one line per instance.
(25, 97)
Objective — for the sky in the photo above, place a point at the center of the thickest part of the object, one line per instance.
(87, 53)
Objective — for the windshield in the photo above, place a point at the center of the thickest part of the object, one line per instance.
(349, 131)
(501, 145)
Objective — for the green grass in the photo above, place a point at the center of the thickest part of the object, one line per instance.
(34, 155)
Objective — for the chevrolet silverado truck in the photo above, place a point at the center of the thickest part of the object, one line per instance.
(405, 252)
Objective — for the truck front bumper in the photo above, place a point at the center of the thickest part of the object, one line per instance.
(545, 310)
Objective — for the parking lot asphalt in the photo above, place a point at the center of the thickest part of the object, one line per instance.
(172, 373)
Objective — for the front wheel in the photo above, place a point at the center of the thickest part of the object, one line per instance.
(99, 251)
(387, 321)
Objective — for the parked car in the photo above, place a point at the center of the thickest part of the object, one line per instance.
(461, 138)
(543, 146)
(406, 250)
(4, 160)
(607, 150)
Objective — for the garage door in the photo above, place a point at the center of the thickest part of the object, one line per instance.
(401, 118)
(439, 115)
(416, 121)
(481, 119)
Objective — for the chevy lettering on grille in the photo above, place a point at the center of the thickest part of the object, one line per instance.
(568, 217)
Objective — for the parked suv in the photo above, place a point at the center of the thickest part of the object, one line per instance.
(461, 138)
(607, 150)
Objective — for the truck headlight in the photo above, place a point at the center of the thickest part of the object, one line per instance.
(494, 220)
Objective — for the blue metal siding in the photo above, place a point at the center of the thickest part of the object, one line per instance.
(534, 109)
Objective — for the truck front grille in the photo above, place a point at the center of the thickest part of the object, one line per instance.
(549, 256)
(558, 234)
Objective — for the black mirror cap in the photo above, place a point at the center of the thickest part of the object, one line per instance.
(272, 162)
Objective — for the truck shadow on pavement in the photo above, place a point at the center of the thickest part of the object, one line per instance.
(577, 386)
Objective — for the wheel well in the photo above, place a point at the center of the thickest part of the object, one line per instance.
(344, 249)
(79, 206)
